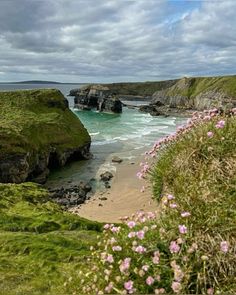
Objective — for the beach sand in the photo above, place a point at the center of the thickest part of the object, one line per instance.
(123, 198)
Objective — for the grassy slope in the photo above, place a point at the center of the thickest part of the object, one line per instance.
(34, 119)
(41, 245)
(201, 173)
(199, 85)
(139, 88)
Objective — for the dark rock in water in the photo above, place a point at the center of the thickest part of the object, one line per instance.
(106, 176)
(116, 159)
(152, 110)
(74, 92)
(96, 96)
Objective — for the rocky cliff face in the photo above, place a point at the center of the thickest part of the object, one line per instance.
(38, 132)
(198, 93)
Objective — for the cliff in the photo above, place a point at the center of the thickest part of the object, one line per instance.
(198, 93)
(38, 132)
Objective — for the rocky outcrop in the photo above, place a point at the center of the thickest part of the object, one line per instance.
(197, 94)
(38, 133)
(96, 96)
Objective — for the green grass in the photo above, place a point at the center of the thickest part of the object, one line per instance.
(41, 245)
(34, 120)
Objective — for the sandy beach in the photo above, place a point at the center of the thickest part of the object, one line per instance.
(123, 198)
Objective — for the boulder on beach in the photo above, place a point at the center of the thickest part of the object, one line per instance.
(116, 159)
(106, 176)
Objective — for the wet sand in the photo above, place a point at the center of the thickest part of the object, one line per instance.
(123, 198)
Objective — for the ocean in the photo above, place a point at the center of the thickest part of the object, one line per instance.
(125, 135)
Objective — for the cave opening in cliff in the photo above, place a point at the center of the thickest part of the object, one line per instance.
(53, 162)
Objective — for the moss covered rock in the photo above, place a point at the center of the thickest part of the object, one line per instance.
(38, 131)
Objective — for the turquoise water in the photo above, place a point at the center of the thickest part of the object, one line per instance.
(126, 135)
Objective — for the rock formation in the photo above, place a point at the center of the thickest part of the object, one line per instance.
(194, 94)
(96, 96)
(38, 132)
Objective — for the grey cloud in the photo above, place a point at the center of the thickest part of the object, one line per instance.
(115, 40)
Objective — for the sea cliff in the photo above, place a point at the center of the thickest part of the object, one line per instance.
(38, 132)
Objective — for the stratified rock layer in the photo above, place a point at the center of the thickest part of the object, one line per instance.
(38, 132)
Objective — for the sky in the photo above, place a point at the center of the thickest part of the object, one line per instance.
(116, 40)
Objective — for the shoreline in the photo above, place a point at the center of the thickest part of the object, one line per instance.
(123, 198)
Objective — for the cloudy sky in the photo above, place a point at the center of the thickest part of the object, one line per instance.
(116, 40)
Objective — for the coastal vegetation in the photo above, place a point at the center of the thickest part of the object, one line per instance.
(41, 245)
(189, 246)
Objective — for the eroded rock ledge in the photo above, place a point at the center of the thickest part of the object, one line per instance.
(38, 132)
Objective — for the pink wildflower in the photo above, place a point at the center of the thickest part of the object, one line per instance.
(210, 134)
(132, 234)
(106, 226)
(140, 234)
(125, 264)
(174, 247)
(140, 175)
(170, 197)
(110, 258)
(159, 291)
(156, 259)
(173, 205)
(176, 287)
(116, 248)
(185, 214)
(145, 267)
(131, 224)
(149, 280)
(115, 229)
(182, 229)
(109, 288)
(210, 291)
(129, 285)
(224, 246)
(220, 124)
(140, 249)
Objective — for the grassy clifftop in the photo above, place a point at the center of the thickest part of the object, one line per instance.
(41, 245)
(36, 129)
(139, 88)
(33, 119)
(191, 87)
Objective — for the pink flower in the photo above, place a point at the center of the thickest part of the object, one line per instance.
(106, 226)
(159, 291)
(140, 175)
(131, 224)
(170, 197)
(173, 205)
(182, 229)
(109, 288)
(115, 229)
(174, 247)
(220, 124)
(156, 259)
(132, 234)
(140, 249)
(110, 258)
(224, 246)
(116, 248)
(185, 214)
(149, 280)
(128, 285)
(176, 287)
(145, 267)
(210, 291)
(140, 234)
(210, 134)
(125, 264)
